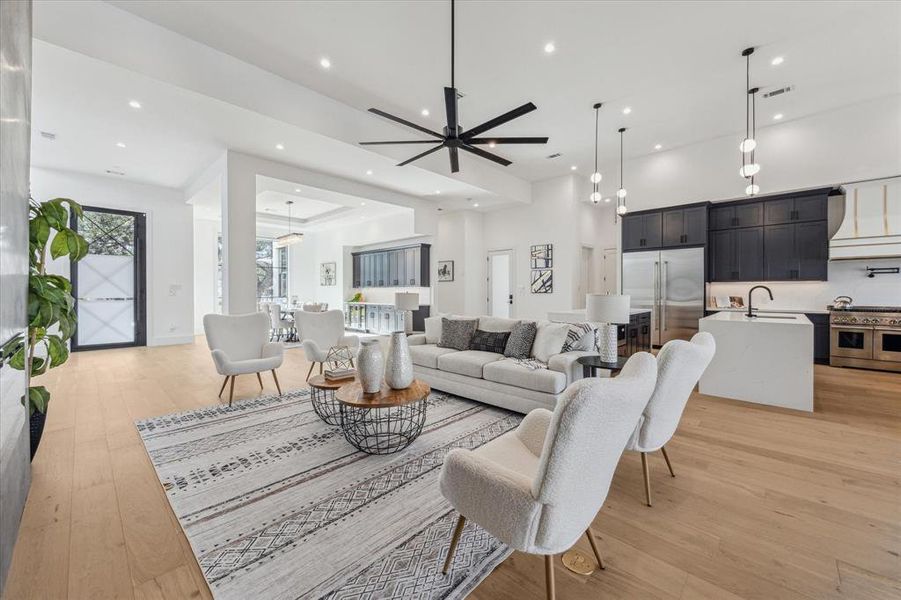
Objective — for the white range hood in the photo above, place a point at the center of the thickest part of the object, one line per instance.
(866, 221)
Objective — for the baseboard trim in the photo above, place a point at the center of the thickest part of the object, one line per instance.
(171, 340)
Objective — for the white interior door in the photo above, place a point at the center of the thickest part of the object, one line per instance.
(609, 269)
(500, 283)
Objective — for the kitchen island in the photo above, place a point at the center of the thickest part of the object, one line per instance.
(766, 359)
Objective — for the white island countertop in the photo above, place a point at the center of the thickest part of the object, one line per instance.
(766, 359)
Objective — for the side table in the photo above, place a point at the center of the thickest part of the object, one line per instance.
(322, 396)
(591, 365)
(383, 422)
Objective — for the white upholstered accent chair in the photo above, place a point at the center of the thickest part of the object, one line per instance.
(680, 365)
(319, 332)
(539, 487)
(240, 345)
(279, 326)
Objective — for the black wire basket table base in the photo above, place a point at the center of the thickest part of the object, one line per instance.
(383, 422)
(322, 397)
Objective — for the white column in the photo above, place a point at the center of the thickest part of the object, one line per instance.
(238, 196)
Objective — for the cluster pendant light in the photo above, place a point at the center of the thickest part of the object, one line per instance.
(748, 146)
(621, 208)
(289, 238)
(596, 175)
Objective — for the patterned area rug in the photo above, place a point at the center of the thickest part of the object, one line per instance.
(276, 504)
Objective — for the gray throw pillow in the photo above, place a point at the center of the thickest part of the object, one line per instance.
(519, 344)
(457, 333)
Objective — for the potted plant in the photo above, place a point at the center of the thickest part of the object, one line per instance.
(51, 307)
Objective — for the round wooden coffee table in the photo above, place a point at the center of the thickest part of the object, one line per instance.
(322, 396)
(386, 421)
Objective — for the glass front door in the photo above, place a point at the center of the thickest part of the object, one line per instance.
(109, 283)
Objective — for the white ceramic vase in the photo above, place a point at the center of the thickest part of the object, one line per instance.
(399, 364)
(370, 366)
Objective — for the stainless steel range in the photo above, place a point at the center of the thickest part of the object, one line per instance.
(867, 337)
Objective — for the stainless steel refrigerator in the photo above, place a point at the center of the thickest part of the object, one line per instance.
(669, 283)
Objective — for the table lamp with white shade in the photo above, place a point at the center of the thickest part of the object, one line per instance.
(407, 302)
(611, 311)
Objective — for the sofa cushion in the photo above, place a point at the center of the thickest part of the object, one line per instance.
(457, 333)
(468, 362)
(489, 341)
(581, 336)
(508, 372)
(519, 345)
(426, 355)
(549, 340)
(496, 324)
(433, 329)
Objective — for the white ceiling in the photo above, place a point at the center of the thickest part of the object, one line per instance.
(676, 64)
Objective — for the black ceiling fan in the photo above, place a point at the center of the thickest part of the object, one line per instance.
(453, 139)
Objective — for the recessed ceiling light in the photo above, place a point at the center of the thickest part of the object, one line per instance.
(777, 61)
(627, 110)
(492, 144)
(134, 104)
(424, 112)
(369, 172)
(297, 190)
(437, 191)
(279, 146)
(607, 199)
(549, 47)
(476, 205)
(658, 146)
(573, 168)
(325, 63)
(120, 144)
(778, 117)
(362, 204)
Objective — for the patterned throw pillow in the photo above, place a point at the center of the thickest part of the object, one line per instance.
(489, 341)
(519, 344)
(457, 333)
(580, 336)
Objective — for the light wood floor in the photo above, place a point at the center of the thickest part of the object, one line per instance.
(767, 503)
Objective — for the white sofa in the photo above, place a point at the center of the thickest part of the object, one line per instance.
(492, 378)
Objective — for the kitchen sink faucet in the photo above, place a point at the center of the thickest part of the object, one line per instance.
(751, 291)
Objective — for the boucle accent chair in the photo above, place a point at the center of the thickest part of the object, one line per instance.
(680, 365)
(539, 487)
(319, 332)
(239, 345)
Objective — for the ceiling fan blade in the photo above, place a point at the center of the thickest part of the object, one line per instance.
(398, 142)
(508, 116)
(454, 160)
(488, 155)
(418, 156)
(382, 113)
(508, 140)
(450, 105)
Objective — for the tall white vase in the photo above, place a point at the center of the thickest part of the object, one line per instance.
(399, 365)
(370, 366)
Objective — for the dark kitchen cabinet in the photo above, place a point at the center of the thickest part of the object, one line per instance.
(820, 337)
(732, 216)
(736, 254)
(684, 226)
(636, 336)
(642, 231)
(395, 267)
(796, 209)
(796, 252)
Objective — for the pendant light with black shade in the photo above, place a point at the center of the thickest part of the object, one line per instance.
(596, 175)
(749, 167)
(621, 208)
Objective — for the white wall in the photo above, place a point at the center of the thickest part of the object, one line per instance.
(206, 265)
(170, 278)
(460, 238)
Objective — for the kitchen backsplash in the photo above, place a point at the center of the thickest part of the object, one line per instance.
(846, 278)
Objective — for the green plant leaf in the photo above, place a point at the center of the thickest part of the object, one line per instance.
(60, 244)
(66, 327)
(43, 315)
(74, 206)
(12, 345)
(38, 398)
(60, 282)
(39, 230)
(56, 214)
(57, 351)
(38, 365)
(17, 360)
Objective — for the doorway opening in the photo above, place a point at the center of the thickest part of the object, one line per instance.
(501, 283)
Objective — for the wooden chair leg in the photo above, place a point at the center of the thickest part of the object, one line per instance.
(231, 390)
(277, 386)
(310, 372)
(647, 477)
(260, 379)
(461, 522)
(549, 577)
(222, 389)
(668, 463)
(320, 368)
(352, 363)
(594, 547)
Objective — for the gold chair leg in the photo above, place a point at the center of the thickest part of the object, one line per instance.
(666, 458)
(594, 546)
(647, 477)
(222, 389)
(461, 522)
(231, 390)
(260, 379)
(277, 386)
(549, 577)
(310, 372)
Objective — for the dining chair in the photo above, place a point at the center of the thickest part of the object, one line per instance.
(321, 331)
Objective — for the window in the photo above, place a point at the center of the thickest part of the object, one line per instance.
(272, 272)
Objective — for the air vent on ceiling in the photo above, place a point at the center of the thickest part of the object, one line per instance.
(554, 155)
(48, 136)
(779, 92)
(113, 172)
